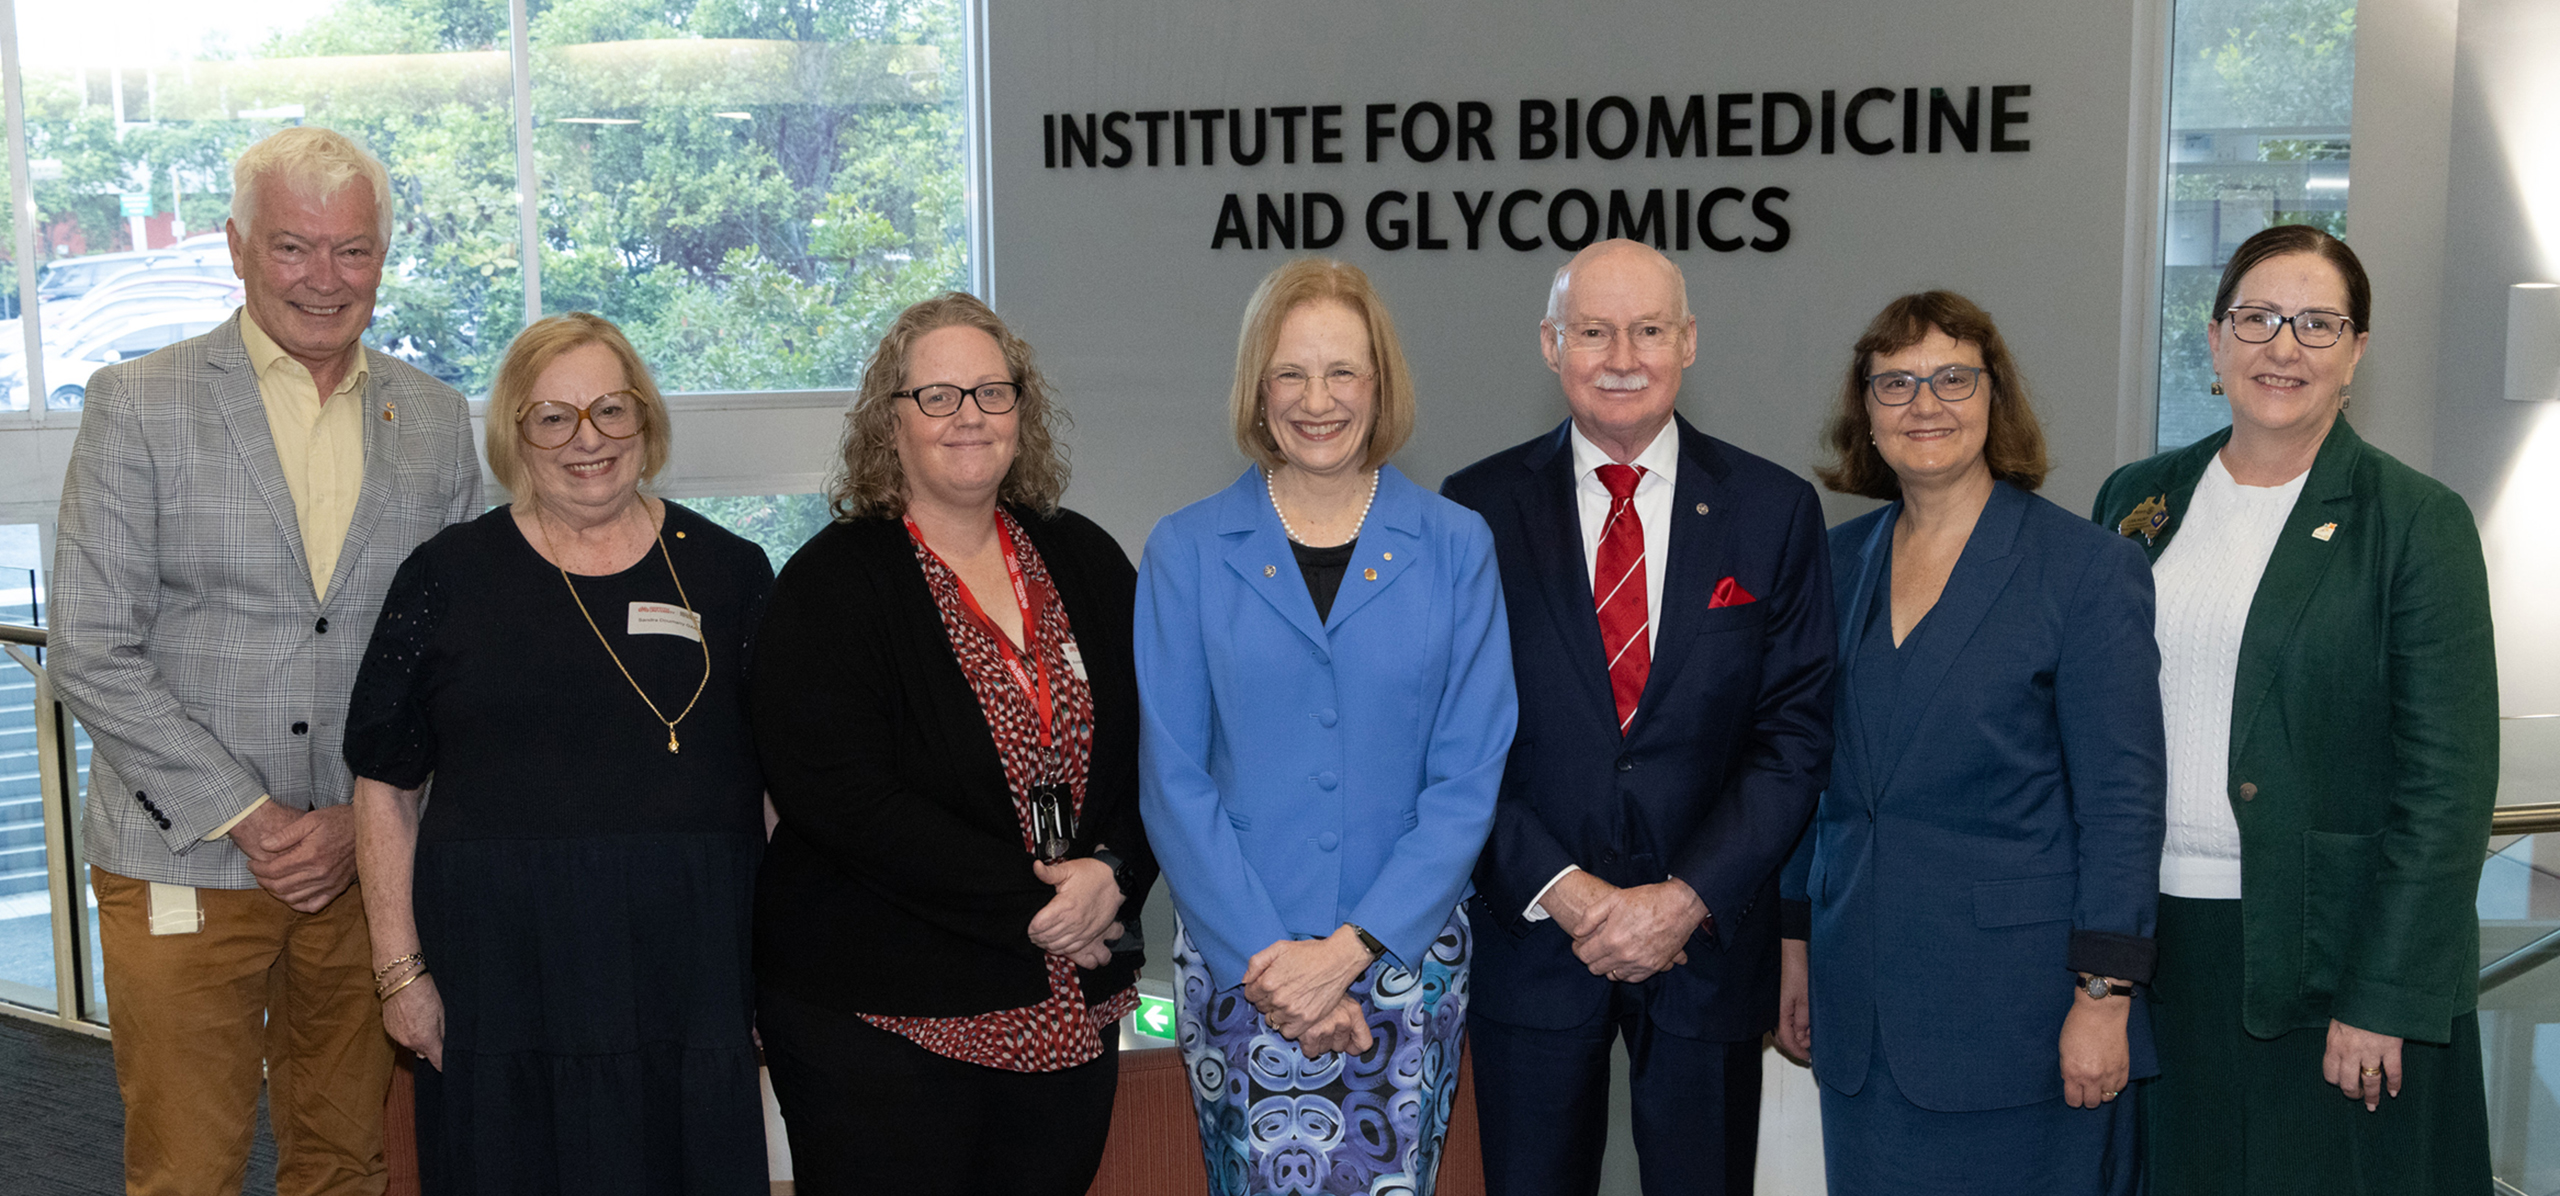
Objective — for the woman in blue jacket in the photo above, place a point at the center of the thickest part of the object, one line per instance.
(1980, 874)
(1325, 681)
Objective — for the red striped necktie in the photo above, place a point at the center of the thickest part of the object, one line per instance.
(1617, 592)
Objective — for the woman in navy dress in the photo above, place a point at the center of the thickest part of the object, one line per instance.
(562, 932)
(1969, 919)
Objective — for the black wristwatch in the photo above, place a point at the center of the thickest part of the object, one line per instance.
(1119, 871)
(2099, 988)
(1376, 949)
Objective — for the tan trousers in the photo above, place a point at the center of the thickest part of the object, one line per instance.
(196, 1014)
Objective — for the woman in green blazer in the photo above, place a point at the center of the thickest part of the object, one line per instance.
(2331, 702)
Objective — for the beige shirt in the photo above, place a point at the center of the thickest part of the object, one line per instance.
(320, 445)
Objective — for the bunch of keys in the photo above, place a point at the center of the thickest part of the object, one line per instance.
(1053, 828)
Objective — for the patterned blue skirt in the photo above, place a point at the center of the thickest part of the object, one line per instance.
(1274, 1121)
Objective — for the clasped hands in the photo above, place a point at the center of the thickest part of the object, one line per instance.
(1079, 922)
(304, 857)
(1625, 934)
(1303, 988)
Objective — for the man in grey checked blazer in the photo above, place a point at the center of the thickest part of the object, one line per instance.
(208, 646)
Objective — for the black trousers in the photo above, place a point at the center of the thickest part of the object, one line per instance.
(871, 1112)
(1542, 1104)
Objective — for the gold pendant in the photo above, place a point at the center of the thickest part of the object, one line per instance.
(671, 741)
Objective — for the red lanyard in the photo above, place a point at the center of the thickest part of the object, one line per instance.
(1039, 694)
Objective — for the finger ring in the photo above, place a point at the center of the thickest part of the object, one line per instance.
(2373, 1071)
(2110, 1096)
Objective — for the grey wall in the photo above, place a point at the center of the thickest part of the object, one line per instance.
(1111, 275)
(2503, 227)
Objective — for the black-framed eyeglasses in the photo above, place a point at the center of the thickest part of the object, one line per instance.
(943, 399)
(2311, 329)
(1951, 383)
(549, 424)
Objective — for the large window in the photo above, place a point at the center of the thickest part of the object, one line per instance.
(751, 189)
(2260, 92)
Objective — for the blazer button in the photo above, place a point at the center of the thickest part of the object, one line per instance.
(322, 626)
(1328, 841)
(1327, 718)
(1326, 780)
(302, 728)
(2248, 791)
(1626, 764)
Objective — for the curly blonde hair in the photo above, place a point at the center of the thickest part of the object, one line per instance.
(869, 481)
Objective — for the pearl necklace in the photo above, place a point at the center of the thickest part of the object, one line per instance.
(1270, 489)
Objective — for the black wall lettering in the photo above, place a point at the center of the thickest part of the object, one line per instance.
(1770, 103)
(2002, 118)
(1590, 219)
(1689, 129)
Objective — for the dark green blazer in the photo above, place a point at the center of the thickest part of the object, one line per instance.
(2364, 741)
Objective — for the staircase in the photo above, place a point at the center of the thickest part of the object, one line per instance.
(21, 788)
(22, 853)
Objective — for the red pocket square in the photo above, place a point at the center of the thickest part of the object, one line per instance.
(1729, 594)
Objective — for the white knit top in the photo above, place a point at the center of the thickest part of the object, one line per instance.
(2205, 580)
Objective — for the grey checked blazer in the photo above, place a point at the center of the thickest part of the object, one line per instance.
(186, 636)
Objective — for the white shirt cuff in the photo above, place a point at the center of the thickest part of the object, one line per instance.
(1537, 911)
(245, 811)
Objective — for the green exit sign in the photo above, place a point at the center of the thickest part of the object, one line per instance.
(1153, 1017)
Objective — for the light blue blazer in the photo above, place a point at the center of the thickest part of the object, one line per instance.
(1295, 775)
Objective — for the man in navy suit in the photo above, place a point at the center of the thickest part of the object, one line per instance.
(1671, 627)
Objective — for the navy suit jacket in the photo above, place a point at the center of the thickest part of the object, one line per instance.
(1716, 775)
(1994, 818)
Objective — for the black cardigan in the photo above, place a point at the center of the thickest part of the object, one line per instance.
(897, 883)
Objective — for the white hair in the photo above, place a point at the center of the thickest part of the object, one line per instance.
(309, 161)
(1564, 278)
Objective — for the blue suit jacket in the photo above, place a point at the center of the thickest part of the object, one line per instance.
(1994, 820)
(1295, 775)
(1714, 779)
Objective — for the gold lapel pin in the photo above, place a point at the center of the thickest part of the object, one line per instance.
(1270, 570)
(2324, 531)
(1368, 575)
(1702, 508)
(387, 412)
(1386, 556)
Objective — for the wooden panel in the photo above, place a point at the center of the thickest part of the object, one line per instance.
(400, 1130)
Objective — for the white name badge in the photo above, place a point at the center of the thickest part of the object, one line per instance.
(659, 618)
(1075, 659)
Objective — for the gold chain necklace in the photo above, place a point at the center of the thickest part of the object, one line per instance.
(700, 635)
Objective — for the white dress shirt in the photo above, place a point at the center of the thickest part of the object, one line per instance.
(1652, 502)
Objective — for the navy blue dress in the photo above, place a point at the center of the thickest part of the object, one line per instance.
(583, 895)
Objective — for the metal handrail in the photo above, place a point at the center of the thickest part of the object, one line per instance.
(19, 633)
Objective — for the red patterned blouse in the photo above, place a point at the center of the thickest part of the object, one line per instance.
(1061, 1031)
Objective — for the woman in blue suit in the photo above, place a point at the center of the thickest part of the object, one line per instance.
(1325, 680)
(1980, 877)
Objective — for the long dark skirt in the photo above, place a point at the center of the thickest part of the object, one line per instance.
(1878, 1141)
(2235, 1113)
(1274, 1121)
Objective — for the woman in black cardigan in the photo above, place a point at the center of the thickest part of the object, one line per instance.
(947, 712)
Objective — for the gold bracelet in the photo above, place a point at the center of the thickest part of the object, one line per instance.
(413, 979)
(417, 968)
(383, 973)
